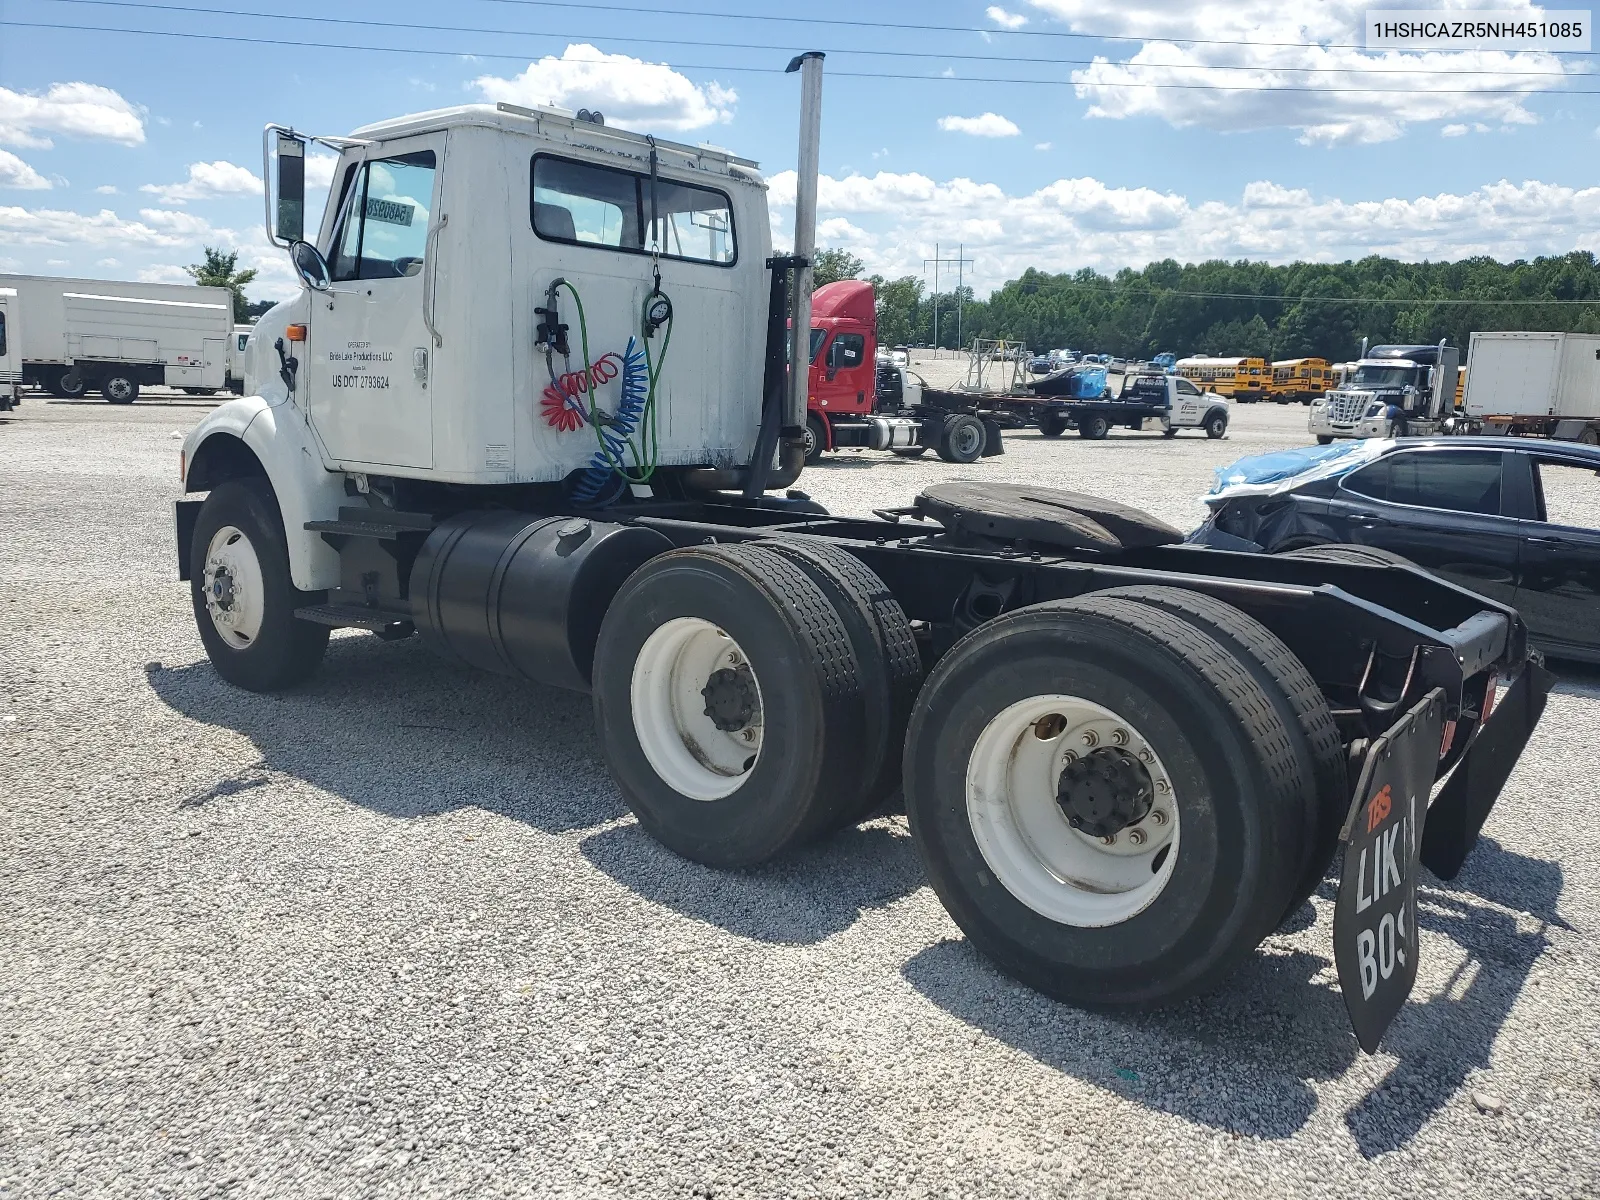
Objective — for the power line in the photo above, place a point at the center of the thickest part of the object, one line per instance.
(239, 39)
(836, 50)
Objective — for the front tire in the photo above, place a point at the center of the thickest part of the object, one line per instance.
(1216, 425)
(1324, 439)
(816, 439)
(1137, 920)
(69, 386)
(1094, 428)
(244, 599)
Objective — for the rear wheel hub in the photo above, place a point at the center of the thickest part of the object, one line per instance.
(1104, 792)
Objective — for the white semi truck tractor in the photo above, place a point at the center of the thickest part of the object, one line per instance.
(534, 406)
(1391, 391)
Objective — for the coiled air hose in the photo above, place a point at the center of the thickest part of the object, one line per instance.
(636, 411)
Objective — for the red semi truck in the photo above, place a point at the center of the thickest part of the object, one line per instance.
(852, 401)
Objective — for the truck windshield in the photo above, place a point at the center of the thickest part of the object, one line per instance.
(1383, 377)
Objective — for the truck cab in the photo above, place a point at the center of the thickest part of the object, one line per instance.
(10, 350)
(1391, 392)
(238, 344)
(844, 348)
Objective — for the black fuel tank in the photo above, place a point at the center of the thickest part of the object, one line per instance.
(524, 595)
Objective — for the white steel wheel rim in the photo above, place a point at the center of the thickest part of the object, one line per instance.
(119, 388)
(235, 596)
(1059, 872)
(811, 442)
(682, 743)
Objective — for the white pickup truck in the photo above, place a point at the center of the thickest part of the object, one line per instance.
(1170, 399)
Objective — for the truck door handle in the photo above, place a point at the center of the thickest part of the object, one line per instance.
(1545, 540)
(1367, 518)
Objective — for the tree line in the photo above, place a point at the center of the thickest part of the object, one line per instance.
(1245, 308)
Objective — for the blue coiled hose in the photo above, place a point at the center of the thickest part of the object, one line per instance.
(616, 430)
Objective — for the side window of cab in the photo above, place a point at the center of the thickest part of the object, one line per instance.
(382, 231)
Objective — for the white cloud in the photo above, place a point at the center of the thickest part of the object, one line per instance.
(319, 171)
(14, 173)
(73, 109)
(57, 227)
(1451, 131)
(1393, 89)
(108, 189)
(1007, 20)
(893, 220)
(207, 181)
(1041, 145)
(629, 91)
(991, 125)
(164, 274)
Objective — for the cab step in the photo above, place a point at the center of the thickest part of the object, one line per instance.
(382, 523)
(382, 621)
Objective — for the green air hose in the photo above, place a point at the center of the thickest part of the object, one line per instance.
(646, 450)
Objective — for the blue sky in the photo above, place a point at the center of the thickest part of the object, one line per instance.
(121, 155)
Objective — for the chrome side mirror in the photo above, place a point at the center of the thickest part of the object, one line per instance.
(310, 266)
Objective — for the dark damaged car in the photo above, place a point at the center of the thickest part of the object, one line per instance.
(1514, 519)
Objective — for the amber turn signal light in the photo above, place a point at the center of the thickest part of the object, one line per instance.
(295, 333)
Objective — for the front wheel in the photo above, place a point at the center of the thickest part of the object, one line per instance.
(244, 600)
(1093, 428)
(1324, 439)
(816, 438)
(1216, 425)
(69, 386)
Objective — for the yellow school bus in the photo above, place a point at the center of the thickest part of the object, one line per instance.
(1302, 379)
(1244, 379)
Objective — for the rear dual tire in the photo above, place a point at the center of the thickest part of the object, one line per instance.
(784, 651)
(1232, 784)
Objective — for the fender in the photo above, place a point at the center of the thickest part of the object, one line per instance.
(279, 439)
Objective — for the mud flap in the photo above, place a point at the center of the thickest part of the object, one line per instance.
(1464, 801)
(1375, 917)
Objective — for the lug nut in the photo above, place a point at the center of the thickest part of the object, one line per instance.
(1090, 738)
(1120, 737)
(1145, 756)
(1163, 786)
(1158, 817)
(1136, 836)
(1110, 841)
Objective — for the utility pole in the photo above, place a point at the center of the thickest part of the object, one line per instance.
(959, 262)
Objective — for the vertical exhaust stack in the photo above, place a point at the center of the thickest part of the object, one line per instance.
(809, 65)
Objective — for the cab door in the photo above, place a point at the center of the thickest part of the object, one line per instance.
(370, 352)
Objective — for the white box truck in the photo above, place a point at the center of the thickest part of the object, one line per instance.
(10, 349)
(116, 337)
(1538, 384)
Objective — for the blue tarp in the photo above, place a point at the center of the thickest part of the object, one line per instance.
(1087, 383)
(1259, 473)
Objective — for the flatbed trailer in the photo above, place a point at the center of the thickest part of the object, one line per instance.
(1124, 760)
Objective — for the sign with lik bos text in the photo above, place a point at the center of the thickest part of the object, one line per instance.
(1375, 937)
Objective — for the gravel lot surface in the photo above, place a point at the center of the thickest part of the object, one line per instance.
(394, 934)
